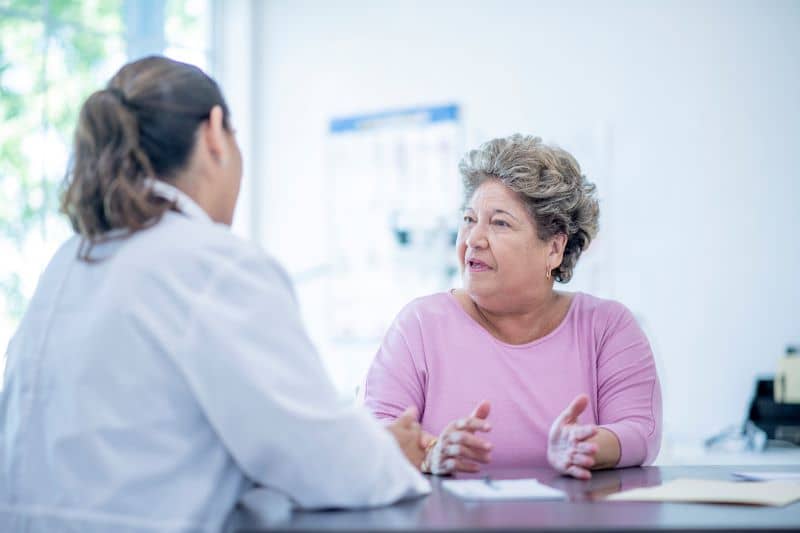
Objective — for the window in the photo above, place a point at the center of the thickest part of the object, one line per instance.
(53, 54)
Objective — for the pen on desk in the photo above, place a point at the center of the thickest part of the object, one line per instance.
(488, 481)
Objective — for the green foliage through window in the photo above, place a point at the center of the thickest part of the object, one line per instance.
(53, 54)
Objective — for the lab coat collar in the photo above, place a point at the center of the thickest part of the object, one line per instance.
(185, 204)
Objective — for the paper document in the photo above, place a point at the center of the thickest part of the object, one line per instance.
(768, 476)
(703, 491)
(507, 489)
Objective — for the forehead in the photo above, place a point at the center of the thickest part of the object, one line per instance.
(492, 194)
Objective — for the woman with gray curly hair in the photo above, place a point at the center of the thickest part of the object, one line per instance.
(510, 338)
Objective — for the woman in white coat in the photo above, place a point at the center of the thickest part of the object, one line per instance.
(162, 369)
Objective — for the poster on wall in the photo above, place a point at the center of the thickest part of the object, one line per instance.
(395, 197)
(393, 200)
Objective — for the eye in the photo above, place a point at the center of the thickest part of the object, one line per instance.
(501, 223)
(468, 219)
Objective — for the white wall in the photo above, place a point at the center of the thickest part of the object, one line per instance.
(233, 49)
(701, 101)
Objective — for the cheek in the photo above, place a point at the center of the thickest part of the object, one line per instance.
(237, 174)
(532, 262)
(461, 247)
(237, 169)
(517, 257)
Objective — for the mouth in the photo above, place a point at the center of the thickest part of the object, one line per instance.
(475, 265)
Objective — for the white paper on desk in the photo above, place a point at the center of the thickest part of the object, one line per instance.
(768, 476)
(505, 489)
(776, 493)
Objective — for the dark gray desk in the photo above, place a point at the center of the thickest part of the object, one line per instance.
(583, 510)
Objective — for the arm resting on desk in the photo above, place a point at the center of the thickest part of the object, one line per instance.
(628, 394)
(608, 449)
(261, 385)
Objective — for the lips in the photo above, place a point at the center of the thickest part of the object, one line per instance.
(476, 265)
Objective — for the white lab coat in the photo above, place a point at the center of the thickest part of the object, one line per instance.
(156, 386)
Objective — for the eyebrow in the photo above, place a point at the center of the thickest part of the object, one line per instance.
(495, 212)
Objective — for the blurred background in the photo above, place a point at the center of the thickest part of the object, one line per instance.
(352, 116)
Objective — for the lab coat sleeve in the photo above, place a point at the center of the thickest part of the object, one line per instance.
(259, 381)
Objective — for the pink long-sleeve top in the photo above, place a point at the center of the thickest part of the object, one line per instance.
(437, 358)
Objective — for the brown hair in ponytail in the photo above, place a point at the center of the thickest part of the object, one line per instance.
(142, 125)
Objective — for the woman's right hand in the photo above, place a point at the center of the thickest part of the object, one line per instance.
(458, 448)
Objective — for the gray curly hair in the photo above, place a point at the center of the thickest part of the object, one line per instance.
(548, 180)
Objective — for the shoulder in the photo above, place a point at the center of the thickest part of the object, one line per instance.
(177, 236)
(589, 306)
(420, 327)
(181, 252)
(608, 322)
(433, 307)
(424, 318)
(602, 317)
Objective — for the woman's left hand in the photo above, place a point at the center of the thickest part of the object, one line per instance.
(568, 448)
(458, 448)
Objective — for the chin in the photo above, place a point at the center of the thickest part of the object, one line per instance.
(478, 289)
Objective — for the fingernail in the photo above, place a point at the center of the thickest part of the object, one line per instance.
(456, 437)
(453, 449)
(449, 464)
(461, 424)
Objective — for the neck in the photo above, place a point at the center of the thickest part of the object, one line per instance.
(192, 187)
(536, 319)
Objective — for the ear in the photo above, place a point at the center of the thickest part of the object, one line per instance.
(214, 135)
(555, 251)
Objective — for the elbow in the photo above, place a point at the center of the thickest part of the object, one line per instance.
(652, 445)
(639, 446)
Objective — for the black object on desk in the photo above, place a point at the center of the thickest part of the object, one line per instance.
(780, 421)
(584, 509)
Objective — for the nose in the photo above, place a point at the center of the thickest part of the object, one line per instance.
(476, 237)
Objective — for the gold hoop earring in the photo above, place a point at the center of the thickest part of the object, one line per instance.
(547, 273)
